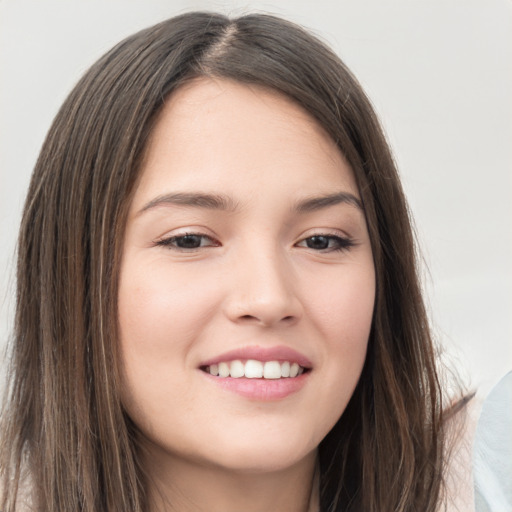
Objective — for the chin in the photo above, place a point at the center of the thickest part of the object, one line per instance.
(253, 462)
(267, 452)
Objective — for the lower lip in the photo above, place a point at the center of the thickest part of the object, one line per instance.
(261, 389)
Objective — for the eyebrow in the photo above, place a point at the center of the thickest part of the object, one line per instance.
(194, 199)
(317, 203)
(226, 203)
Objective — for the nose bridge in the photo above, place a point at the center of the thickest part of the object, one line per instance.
(262, 289)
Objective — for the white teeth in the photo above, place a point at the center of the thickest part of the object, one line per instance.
(237, 369)
(272, 370)
(254, 369)
(223, 370)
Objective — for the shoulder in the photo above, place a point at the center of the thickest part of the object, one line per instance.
(492, 450)
(24, 502)
(459, 435)
(479, 453)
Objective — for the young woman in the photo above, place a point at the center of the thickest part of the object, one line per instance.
(218, 304)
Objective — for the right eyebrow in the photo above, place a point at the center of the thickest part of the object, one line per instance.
(194, 199)
(312, 204)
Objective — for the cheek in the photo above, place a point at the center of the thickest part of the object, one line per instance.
(343, 313)
(161, 316)
(158, 306)
(343, 307)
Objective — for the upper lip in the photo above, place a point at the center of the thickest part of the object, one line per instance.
(263, 354)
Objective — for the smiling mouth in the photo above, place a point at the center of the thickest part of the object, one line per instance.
(253, 369)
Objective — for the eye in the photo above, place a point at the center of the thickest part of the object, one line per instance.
(326, 243)
(188, 242)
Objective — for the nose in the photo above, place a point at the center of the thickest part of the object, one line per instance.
(263, 291)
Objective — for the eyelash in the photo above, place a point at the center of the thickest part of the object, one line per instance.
(171, 242)
(340, 243)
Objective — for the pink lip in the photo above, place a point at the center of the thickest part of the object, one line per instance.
(263, 354)
(260, 389)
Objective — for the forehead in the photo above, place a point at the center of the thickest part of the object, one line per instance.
(221, 134)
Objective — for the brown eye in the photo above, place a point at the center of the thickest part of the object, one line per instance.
(318, 242)
(326, 243)
(188, 242)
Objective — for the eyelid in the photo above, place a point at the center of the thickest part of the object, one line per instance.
(168, 240)
(186, 230)
(332, 232)
(345, 242)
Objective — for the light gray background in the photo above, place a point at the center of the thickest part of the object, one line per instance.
(439, 73)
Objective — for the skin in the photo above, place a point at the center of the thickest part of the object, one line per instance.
(254, 281)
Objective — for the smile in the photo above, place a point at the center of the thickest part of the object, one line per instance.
(254, 369)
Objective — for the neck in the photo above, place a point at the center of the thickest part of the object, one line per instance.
(188, 487)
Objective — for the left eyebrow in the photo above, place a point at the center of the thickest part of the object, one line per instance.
(312, 204)
(193, 200)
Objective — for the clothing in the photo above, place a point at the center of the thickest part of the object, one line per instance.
(492, 451)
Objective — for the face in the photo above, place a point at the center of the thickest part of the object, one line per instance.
(247, 282)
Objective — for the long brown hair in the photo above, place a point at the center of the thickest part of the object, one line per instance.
(63, 421)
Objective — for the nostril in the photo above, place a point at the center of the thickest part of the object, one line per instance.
(288, 319)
